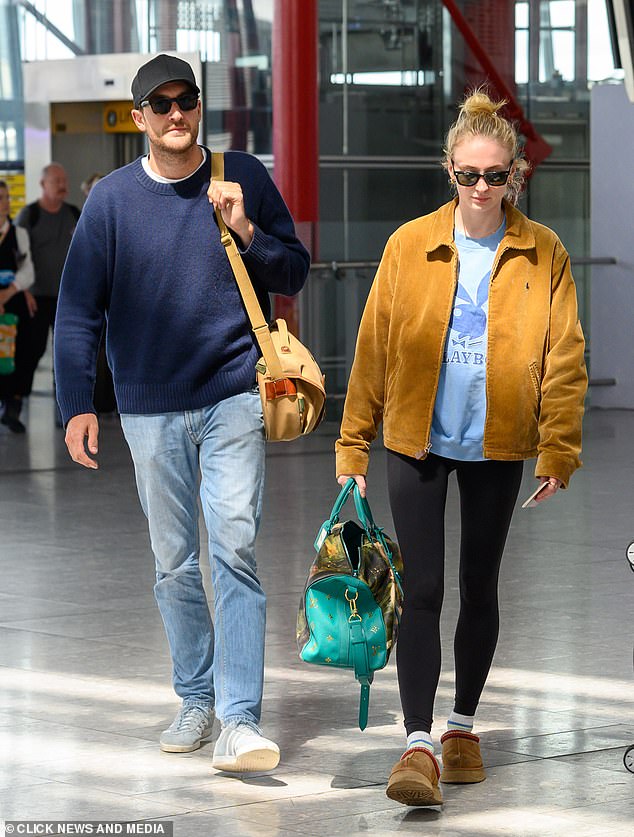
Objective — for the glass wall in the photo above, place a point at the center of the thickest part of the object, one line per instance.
(391, 74)
(233, 38)
(11, 112)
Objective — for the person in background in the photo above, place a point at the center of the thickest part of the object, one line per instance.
(50, 223)
(89, 182)
(104, 398)
(147, 253)
(16, 277)
(471, 353)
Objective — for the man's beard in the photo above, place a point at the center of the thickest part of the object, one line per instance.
(168, 151)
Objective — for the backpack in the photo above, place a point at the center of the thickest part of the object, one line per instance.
(33, 213)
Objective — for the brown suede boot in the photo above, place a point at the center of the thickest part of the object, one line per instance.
(461, 758)
(414, 779)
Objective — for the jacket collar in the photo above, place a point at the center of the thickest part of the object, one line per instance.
(518, 234)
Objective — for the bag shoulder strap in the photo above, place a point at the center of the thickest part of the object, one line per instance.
(245, 286)
(33, 214)
(361, 665)
(364, 513)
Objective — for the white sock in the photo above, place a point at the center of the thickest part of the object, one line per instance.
(419, 738)
(463, 723)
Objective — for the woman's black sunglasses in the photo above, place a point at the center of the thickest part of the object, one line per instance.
(163, 105)
(491, 178)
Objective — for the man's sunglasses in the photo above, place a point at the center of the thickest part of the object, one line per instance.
(163, 105)
(491, 178)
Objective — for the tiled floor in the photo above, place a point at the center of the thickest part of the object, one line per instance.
(85, 677)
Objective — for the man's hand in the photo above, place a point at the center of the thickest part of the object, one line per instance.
(228, 198)
(82, 432)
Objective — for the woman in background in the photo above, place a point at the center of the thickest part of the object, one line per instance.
(16, 269)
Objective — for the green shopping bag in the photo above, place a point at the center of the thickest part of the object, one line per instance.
(350, 609)
(8, 331)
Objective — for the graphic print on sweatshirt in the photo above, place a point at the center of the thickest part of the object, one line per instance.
(468, 326)
(460, 408)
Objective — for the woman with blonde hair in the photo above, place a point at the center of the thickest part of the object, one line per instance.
(471, 353)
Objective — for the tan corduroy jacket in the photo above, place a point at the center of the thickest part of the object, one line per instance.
(535, 376)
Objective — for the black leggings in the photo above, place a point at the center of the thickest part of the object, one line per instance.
(418, 492)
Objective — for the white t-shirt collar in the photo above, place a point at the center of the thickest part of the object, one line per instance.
(160, 179)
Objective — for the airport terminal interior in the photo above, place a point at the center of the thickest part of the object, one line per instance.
(85, 672)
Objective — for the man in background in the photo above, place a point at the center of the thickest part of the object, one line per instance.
(50, 223)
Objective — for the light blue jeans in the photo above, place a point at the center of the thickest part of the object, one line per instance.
(221, 665)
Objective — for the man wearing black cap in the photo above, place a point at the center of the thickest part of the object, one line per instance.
(147, 255)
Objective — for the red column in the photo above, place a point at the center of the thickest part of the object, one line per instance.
(295, 123)
(493, 24)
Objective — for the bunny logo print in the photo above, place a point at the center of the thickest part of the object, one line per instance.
(459, 414)
(467, 329)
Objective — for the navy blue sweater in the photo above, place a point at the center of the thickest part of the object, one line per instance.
(147, 256)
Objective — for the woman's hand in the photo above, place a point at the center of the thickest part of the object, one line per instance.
(6, 294)
(358, 478)
(31, 304)
(552, 486)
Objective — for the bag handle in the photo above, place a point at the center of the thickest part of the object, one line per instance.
(341, 501)
(362, 507)
(245, 286)
(364, 513)
(365, 516)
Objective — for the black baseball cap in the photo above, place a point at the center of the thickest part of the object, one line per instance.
(158, 71)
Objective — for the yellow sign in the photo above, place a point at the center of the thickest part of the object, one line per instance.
(117, 118)
(17, 189)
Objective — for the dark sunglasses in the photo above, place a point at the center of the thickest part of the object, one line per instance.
(163, 105)
(491, 178)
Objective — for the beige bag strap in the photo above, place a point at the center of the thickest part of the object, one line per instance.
(251, 303)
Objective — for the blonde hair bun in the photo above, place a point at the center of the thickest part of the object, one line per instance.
(479, 103)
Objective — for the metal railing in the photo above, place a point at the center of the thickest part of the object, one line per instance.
(338, 266)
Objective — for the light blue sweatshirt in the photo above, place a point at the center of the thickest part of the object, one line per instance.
(460, 408)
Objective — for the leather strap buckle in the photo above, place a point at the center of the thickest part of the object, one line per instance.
(279, 388)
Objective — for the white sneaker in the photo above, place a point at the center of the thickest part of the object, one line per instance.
(192, 723)
(243, 749)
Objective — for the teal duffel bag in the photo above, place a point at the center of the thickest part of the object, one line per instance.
(350, 609)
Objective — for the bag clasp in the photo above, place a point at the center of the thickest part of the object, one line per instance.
(355, 616)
